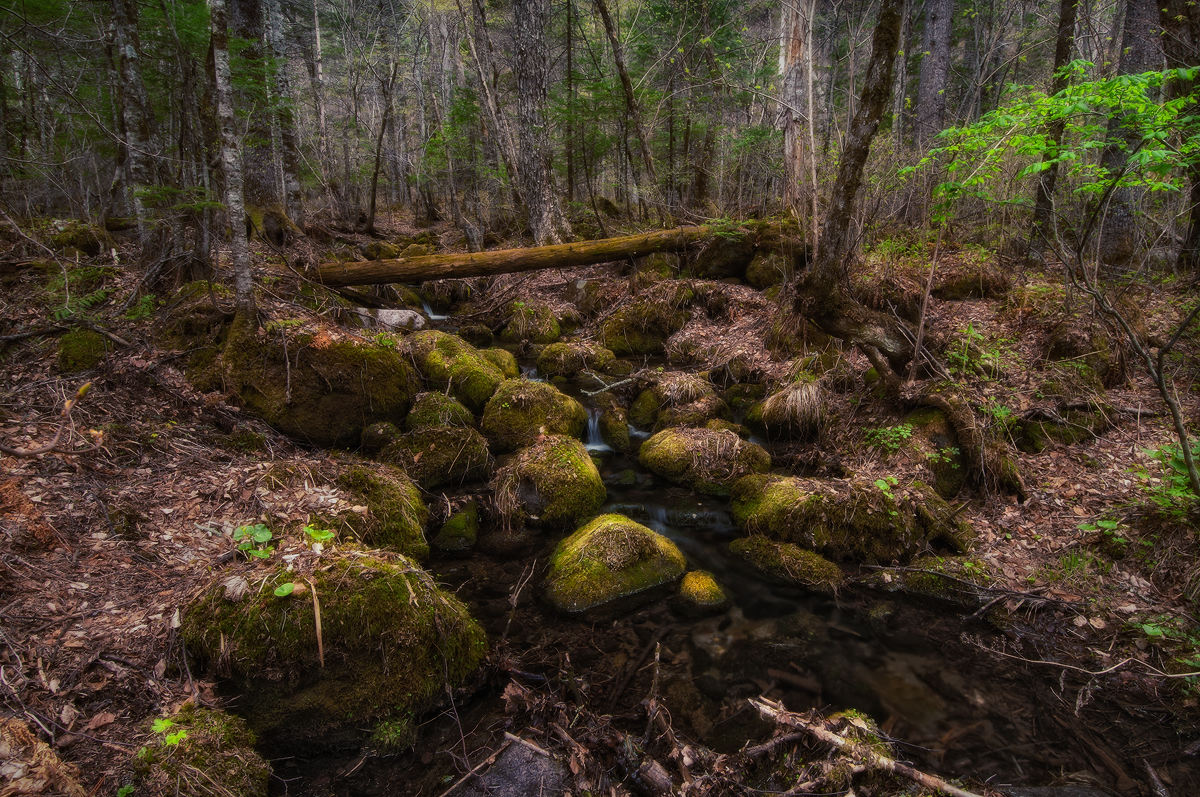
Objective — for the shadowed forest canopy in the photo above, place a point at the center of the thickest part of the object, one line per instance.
(656, 397)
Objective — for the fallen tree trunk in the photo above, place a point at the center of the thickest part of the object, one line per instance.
(505, 261)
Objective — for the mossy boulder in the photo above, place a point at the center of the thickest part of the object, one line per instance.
(934, 442)
(201, 751)
(551, 483)
(477, 335)
(849, 519)
(448, 361)
(614, 423)
(724, 256)
(323, 393)
(440, 455)
(380, 250)
(437, 409)
(661, 264)
(787, 563)
(800, 411)
(706, 460)
(81, 350)
(530, 322)
(395, 516)
(610, 559)
(1088, 343)
(944, 578)
(392, 643)
(377, 435)
(643, 325)
(677, 399)
(699, 593)
(569, 358)
(78, 235)
(459, 532)
(521, 410)
(766, 269)
(504, 360)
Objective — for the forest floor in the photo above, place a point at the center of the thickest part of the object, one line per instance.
(1085, 588)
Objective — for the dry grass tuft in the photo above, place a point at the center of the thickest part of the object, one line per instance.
(800, 409)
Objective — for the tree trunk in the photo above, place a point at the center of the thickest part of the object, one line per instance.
(631, 104)
(1141, 51)
(1044, 198)
(793, 40)
(475, 264)
(231, 165)
(821, 295)
(258, 168)
(135, 107)
(289, 146)
(387, 89)
(546, 219)
(935, 70)
(1181, 43)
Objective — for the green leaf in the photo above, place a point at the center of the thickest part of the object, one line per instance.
(318, 534)
(162, 725)
(175, 738)
(283, 590)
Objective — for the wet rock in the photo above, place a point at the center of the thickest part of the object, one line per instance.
(708, 461)
(569, 358)
(699, 593)
(477, 335)
(787, 563)
(612, 558)
(848, 519)
(643, 325)
(437, 409)
(614, 423)
(323, 394)
(396, 318)
(448, 361)
(392, 643)
(395, 515)
(551, 483)
(459, 532)
(530, 322)
(440, 455)
(28, 766)
(201, 751)
(521, 410)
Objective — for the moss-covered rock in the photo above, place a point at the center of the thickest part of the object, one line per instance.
(1087, 342)
(799, 411)
(610, 559)
(706, 460)
(660, 264)
(377, 435)
(86, 238)
(81, 350)
(440, 455)
(448, 361)
(395, 516)
(677, 399)
(787, 563)
(552, 483)
(392, 642)
(380, 250)
(530, 322)
(504, 360)
(521, 410)
(614, 423)
(459, 532)
(945, 578)
(848, 519)
(569, 358)
(201, 751)
(766, 269)
(643, 325)
(699, 593)
(478, 335)
(935, 442)
(437, 409)
(323, 393)
(724, 256)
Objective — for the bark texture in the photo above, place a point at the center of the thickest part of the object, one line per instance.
(134, 108)
(1043, 210)
(1181, 44)
(935, 70)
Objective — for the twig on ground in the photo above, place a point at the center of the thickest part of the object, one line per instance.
(64, 423)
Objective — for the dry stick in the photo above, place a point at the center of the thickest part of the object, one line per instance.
(776, 712)
(491, 759)
(317, 623)
(64, 421)
(912, 366)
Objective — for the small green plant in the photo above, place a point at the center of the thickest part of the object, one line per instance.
(317, 534)
(1113, 541)
(946, 455)
(252, 541)
(384, 340)
(79, 305)
(143, 308)
(126, 790)
(885, 486)
(163, 725)
(1170, 492)
(890, 439)
(285, 589)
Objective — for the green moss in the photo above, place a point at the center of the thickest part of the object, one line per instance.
(437, 409)
(87, 238)
(700, 591)
(568, 359)
(504, 360)
(677, 399)
(706, 460)
(743, 396)
(377, 435)
(1075, 426)
(788, 563)
(450, 362)
(766, 269)
(936, 444)
(380, 250)
(611, 558)
(320, 394)
(693, 413)
(394, 735)
(440, 455)
(643, 325)
(724, 256)
(553, 482)
(661, 264)
(848, 519)
(246, 441)
(201, 751)
(644, 410)
(614, 426)
(952, 589)
(396, 515)
(81, 350)
(460, 531)
(392, 643)
(722, 425)
(521, 410)
(530, 322)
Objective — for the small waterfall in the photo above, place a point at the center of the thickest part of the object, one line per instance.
(594, 440)
(637, 434)
(432, 315)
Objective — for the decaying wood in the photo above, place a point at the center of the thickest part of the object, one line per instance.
(869, 758)
(505, 261)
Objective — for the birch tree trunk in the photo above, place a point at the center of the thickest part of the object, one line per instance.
(231, 165)
(546, 219)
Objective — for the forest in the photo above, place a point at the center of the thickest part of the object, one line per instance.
(600, 397)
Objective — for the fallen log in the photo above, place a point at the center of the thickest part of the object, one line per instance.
(505, 261)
